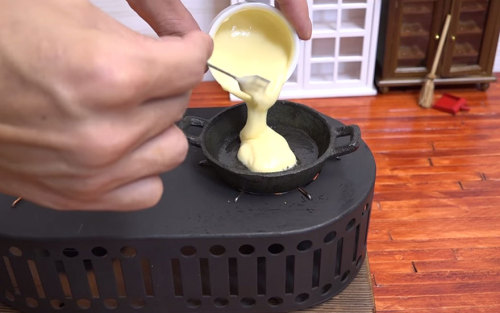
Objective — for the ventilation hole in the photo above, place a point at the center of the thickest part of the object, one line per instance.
(247, 302)
(128, 252)
(338, 260)
(57, 304)
(205, 277)
(193, 303)
(110, 304)
(148, 277)
(221, 302)
(12, 277)
(9, 296)
(290, 273)
(83, 304)
(70, 252)
(36, 279)
(275, 301)
(304, 245)
(99, 251)
(302, 298)
(217, 250)
(233, 276)
(246, 249)
(177, 277)
(63, 279)
(137, 303)
(91, 278)
(330, 236)
(275, 248)
(356, 243)
(188, 251)
(31, 303)
(261, 276)
(316, 267)
(350, 225)
(42, 253)
(15, 251)
(365, 230)
(345, 276)
(326, 288)
(365, 209)
(120, 282)
(358, 262)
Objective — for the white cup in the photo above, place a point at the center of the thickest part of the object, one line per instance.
(261, 10)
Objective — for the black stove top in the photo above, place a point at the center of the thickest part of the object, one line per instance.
(196, 203)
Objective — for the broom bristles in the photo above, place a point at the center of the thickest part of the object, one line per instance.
(427, 93)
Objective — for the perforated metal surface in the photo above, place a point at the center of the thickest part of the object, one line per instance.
(198, 250)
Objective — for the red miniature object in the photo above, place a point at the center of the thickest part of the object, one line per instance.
(451, 104)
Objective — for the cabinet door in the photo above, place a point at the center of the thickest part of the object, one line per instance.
(412, 36)
(472, 38)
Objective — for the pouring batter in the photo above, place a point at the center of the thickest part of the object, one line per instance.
(267, 50)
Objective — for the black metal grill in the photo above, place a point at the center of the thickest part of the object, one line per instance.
(198, 250)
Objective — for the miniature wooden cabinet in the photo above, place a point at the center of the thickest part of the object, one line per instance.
(339, 60)
(409, 35)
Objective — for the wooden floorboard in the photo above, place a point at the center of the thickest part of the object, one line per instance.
(434, 240)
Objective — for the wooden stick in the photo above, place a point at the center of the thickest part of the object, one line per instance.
(441, 44)
(427, 92)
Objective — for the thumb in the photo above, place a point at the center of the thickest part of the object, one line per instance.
(297, 13)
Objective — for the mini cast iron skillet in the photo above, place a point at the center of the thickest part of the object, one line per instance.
(308, 133)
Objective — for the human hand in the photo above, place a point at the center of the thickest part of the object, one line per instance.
(87, 106)
(170, 17)
(297, 13)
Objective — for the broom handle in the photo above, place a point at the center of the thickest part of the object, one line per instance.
(440, 45)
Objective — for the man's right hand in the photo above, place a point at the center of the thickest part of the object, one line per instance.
(87, 106)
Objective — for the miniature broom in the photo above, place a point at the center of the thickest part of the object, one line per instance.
(427, 92)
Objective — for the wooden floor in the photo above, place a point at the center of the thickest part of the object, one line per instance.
(434, 239)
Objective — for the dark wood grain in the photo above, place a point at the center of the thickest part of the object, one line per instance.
(434, 240)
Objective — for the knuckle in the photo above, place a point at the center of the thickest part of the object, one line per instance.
(115, 81)
(98, 146)
(204, 43)
(176, 147)
(198, 54)
(102, 80)
(123, 79)
(85, 190)
(181, 103)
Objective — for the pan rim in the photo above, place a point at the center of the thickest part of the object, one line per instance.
(291, 171)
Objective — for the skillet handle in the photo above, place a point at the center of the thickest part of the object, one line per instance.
(354, 134)
(189, 121)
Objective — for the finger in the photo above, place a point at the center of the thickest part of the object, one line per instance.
(137, 195)
(137, 176)
(297, 13)
(152, 118)
(112, 134)
(149, 120)
(145, 69)
(175, 65)
(158, 155)
(140, 194)
(166, 17)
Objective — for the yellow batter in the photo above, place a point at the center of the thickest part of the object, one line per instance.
(251, 44)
